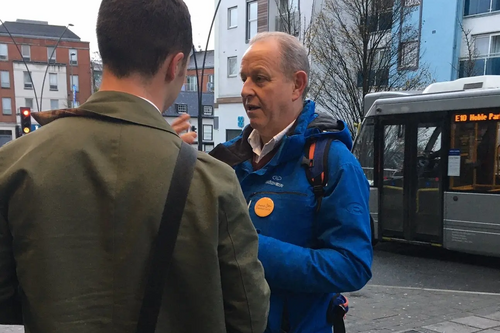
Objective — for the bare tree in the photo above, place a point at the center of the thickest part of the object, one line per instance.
(289, 17)
(96, 70)
(363, 46)
(468, 65)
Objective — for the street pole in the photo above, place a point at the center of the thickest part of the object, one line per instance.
(25, 64)
(71, 80)
(48, 63)
(200, 82)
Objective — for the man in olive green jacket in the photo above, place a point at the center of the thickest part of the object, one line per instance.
(81, 200)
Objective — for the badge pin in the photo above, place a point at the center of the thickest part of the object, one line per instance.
(264, 207)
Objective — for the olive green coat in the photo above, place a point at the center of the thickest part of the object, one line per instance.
(80, 203)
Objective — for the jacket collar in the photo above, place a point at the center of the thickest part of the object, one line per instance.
(239, 150)
(111, 104)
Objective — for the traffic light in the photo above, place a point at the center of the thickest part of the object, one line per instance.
(25, 120)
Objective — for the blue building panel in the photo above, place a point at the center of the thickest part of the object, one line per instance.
(441, 37)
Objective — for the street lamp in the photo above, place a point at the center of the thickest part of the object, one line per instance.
(200, 84)
(48, 63)
(22, 58)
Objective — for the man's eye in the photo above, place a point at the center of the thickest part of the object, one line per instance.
(260, 79)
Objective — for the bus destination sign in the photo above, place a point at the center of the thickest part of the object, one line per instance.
(459, 118)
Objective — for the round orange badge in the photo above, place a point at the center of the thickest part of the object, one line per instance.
(264, 207)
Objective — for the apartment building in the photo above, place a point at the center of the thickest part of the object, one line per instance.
(458, 38)
(50, 70)
(481, 27)
(237, 22)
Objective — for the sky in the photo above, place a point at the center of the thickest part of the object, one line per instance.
(83, 15)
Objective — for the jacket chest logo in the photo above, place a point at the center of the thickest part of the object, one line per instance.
(275, 181)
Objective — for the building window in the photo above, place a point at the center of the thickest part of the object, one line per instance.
(232, 133)
(53, 81)
(6, 106)
(51, 58)
(5, 79)
(382, 17)
(408, 55)
(73, 57)
(27, 81)
(411, 3)
(208, 132)
(26, 52)
(54, 104)
(28, 102)
(251, 19)
(486, 57)
(74, 83)
(208, 110)
(379, 73)
(181, 108)
(210, 83)
(232, 67)
(4, 54)
(473, 7)
(232, 17)
(5, 136)
(207, 147)
(192, 83)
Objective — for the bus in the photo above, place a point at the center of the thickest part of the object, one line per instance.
(432, 159)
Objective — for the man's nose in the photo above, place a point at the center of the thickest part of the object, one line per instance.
(247, 90)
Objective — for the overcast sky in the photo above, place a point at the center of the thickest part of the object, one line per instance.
(83, 14)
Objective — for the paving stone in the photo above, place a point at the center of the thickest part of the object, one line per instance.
(478, 322)
(451, 327)
(494, 316)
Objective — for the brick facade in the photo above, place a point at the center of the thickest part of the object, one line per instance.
(39, 55)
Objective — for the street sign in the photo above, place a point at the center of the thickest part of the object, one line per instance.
(241, 122)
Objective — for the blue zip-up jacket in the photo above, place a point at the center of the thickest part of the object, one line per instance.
(308, 256)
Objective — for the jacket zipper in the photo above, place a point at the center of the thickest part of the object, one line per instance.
(271, 192)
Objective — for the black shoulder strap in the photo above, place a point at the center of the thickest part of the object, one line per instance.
(163, 247)
(317, 167)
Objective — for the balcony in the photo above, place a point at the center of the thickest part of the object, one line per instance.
(479, 66)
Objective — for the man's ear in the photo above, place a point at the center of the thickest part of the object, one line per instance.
(174, 66)
(300, 84)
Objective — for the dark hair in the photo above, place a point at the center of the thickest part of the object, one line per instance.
(136, 36)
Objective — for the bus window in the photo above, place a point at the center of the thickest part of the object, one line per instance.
(429, 152)
(364, 148)
(394, 152)
(479, 146)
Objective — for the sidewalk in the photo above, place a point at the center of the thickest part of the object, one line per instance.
(413, 310)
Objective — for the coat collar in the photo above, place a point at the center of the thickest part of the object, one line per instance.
(111, 104)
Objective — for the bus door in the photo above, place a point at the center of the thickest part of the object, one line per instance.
(410, 180)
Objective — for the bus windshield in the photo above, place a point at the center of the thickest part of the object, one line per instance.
(364, 149)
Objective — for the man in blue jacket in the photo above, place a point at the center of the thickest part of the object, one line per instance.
(308, 256)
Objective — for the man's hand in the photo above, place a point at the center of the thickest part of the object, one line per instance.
(181, 124)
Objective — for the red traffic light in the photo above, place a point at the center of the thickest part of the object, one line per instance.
(26, 111)
(26, 119)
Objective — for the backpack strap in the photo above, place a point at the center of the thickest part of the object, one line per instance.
(164, 244)
(317, 167)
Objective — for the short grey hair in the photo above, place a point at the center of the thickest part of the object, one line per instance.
(293, 54)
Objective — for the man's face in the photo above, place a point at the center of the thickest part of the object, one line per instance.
(267, 93)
